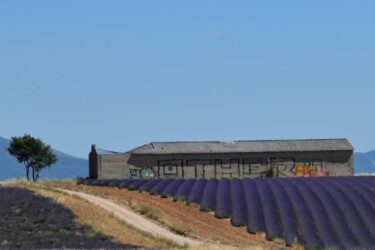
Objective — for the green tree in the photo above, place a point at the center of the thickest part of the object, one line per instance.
(33, 153)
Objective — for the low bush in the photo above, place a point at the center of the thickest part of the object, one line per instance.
(144, 209)
(179, 228)
(114, 183)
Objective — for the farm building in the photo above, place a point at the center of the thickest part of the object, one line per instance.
(214, 159)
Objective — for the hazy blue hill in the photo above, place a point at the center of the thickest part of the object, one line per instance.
(67, 166)
(364, 162)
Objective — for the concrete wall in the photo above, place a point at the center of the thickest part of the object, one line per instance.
(120, 166)
(113, 166)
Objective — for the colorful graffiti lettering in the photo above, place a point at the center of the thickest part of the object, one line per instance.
(311, 171)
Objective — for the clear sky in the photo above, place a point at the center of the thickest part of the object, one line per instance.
(121, 74)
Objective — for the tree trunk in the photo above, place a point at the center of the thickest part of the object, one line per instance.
(37, 175)
(33, 173)
(27, 173)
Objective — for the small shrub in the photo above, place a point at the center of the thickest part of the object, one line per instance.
(114, 183)
(144, 209)
(179, 228)
(80, 181)
(136, 184)
(88, 181)
(103, 182)
(149, 211)
(94, 183)
(125, 183)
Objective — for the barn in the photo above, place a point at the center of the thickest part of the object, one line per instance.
(217, 159)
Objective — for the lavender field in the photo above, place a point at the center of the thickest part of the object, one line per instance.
(31, 221)
(327, 212)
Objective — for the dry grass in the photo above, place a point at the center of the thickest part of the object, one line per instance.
(144, 209)
(179, 228)
(99, 219)
(204, 225)
(180, 218)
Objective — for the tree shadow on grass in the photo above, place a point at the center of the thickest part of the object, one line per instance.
(31, 221)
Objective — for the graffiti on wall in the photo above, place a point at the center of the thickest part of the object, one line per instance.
(137, 173)
(271, 167)
(238, 167)
(278, 167)
(311, 171)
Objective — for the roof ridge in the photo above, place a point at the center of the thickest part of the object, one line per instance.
(326, 144)
(319, 139)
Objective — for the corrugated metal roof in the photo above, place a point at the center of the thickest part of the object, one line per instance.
(244, 146)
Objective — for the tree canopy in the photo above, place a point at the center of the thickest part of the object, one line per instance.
(33, 153)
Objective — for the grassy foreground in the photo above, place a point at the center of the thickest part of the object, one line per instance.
(34, 215)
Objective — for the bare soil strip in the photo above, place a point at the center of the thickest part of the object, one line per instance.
(136, 220)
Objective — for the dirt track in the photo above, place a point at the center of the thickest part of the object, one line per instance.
(135, 220)
(204, 226)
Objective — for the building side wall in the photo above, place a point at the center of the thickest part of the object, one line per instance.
(113, 166)
(338, 163)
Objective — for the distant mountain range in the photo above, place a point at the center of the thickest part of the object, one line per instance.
(364, 162)
(67, 166)
(70, 167)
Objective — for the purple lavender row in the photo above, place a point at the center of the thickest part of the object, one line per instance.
(196, 193)
(114, 183)
(345, 236)
(287, 218)
(148, 185)
(349, 212)
(367, 182)
(366, 190)
(136, 184)
(361, 203)
(239, 216)
(320, 217)
(362, 210)
(55, 225)
(104, 182)
(159, 188)
(184, 190)
(90, 181)
(302, 215)
(255, 219)
(125, 183)
(223, 199)
(209, 196)
(172, 188)
(269, 208)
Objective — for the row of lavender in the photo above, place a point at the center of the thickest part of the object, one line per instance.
(31, 221)
(331, 212)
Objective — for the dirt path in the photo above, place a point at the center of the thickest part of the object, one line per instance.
(204, 226)
(135, 220)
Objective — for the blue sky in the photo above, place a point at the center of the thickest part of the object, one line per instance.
(124, 73)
